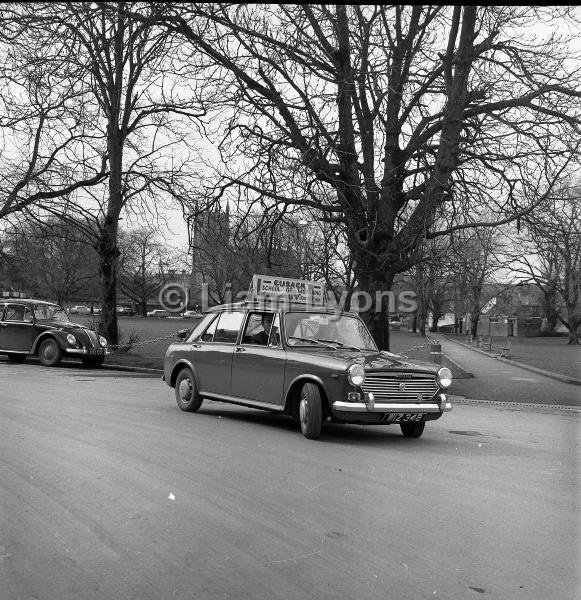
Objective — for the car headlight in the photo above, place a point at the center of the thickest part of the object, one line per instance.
(356, 375)
(445, 377)
(102, 341)
(71, 339)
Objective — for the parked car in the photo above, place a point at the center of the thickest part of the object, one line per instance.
(80, 310)
(125, 311)
(43, 329)
(159, 313)
(192, 314)
(311, 364)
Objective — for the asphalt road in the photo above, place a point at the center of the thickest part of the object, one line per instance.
(108, 491)
(499, 381)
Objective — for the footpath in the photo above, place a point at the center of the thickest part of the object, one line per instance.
(503, 381)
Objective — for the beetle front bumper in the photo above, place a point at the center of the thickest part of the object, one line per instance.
(87, 351)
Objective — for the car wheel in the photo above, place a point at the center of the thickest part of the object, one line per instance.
(49, 353)
(311, 411)
(93, 362)
(186, 392)
(17, 358)
(412, 430)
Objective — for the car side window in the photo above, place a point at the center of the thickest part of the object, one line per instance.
(228, 327)
(208, 335)
(202, 328)
(274, 340)
(17, 312)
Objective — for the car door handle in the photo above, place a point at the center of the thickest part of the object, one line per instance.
(240, 349)
(3, 325)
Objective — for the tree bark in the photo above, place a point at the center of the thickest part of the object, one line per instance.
(373, 283)
(108, 250)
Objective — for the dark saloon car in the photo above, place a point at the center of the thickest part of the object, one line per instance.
(314, 365)
(37, 328)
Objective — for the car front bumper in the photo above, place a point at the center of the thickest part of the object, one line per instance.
(87, 351)
(440, 404)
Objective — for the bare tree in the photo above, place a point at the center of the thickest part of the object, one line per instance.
(140, 255)
(129, 81)
(420, 121)
(554, 239)
(430, 279)
(45, 128)
(52, 260)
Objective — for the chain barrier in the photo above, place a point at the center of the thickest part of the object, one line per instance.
(145, 342)
(405, 353)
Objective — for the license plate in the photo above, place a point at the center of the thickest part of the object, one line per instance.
(402, 417)
(95, 351)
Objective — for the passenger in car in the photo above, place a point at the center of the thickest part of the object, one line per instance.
(260, 336)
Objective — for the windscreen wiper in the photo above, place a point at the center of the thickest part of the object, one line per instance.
(340, 344)
(312, 340)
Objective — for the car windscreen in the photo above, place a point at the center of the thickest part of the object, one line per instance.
(308, 329)
(50, 312)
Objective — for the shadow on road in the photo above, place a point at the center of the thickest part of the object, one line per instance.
(75, 367)
(333, 433)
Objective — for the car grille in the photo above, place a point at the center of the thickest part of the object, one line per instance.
(386, 386)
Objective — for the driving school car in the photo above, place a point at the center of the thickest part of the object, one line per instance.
(310, 363)
(37, 328)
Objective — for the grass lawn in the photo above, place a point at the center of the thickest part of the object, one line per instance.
(549, 353)
(151, 354)
(144, 355)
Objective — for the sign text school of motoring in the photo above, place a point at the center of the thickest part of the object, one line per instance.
(294, 290)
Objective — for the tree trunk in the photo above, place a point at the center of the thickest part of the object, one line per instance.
(550, 310)
(108, 251)
(435, 319)
(108, 275)
(474, 318)
(373, 283)
(573, 322)
(423, 320)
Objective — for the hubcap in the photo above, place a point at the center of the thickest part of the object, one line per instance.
(185, 390)
(303, 412)
(48, 351)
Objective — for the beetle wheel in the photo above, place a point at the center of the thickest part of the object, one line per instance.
(49, 353)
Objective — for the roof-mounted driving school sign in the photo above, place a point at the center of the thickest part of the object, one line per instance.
(296, 291)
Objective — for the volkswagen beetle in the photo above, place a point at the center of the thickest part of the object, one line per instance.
(43, 329)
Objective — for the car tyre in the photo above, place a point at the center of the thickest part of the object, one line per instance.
(412, 430)
(17, 358)
(311, 411)
(50, 353)
(93, 362)
(186, 392)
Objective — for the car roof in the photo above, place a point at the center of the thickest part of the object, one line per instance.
(265, 306)
(28, 301)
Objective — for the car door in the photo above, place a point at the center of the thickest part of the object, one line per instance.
(212, 357)
(257, 367)
(17, 328)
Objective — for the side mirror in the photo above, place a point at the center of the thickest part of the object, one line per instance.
(182, 334)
